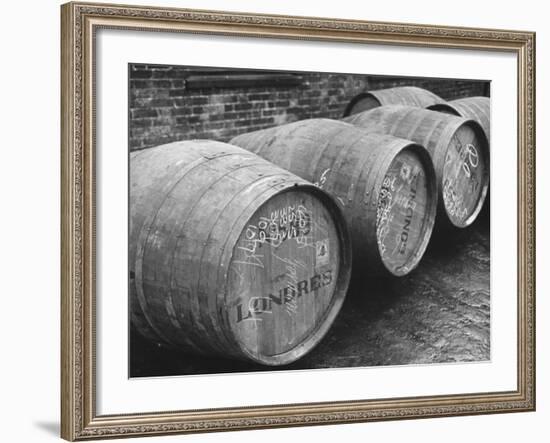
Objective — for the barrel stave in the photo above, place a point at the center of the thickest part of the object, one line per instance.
(348, 163)
(164, 247)
(191, 201)
(441, 134)
(263, 184)
(154, 168)
(481, 112)
(401, 95)
(475, 108)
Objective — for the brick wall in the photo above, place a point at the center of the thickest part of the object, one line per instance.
(163, 108)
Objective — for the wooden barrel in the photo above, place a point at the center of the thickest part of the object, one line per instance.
(459, 149)
(385, 185)
(230, 255)
(475, 108)
(402, 95)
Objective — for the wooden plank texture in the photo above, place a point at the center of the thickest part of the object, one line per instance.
(401, 95)
(385, 185)
(200, 280)
(475, 108)
(459, 150)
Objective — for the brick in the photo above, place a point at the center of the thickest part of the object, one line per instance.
(177, 92)
(282, 103)
(139, 102)
(314, 93)
(231, 98)
(160, 130)
(214, 125)
(216, 108)
(149, 93)
(243, 107)
(217, 117)
(160, 140)
(282, 93)
(262, 121)
(139, 84)
(150, 84)
(241, 123)
(163, 73)
(182, 121)
(263, 96)
(179, 102)
(140, 74)
(305, 102)
(162, 109)
(138, 133)
(161, 103)
(180, 111)
(164, 113)
(141, 123)
(241, 115)
(198, 100)
(161, 84)
(143, 112)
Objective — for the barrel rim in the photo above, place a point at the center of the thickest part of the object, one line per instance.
(227, 146)
(430, 215)
(442, 107)
(453, 124)
(374, 93)
(474, 97)
(478, 129)
(356, 99)
(340, 290)
(416, 89)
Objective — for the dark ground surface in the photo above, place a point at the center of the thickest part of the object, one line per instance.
(440, 313)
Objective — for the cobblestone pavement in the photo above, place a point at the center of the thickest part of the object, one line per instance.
(440, 313)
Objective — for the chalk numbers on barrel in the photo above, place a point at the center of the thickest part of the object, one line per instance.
(471, 159)
(461, 180)
(288, 223)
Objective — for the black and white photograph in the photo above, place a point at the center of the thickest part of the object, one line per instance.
(287, 220)
(277, 221)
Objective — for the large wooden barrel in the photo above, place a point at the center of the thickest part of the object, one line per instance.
(401, 95)
(233, 256)
(386, 185)
(459, 149)
(475, 108)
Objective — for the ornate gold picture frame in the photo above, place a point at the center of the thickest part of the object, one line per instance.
(79, 417)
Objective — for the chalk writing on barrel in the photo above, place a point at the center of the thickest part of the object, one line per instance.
(453, 192)
(322, 179)
(292, 222)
